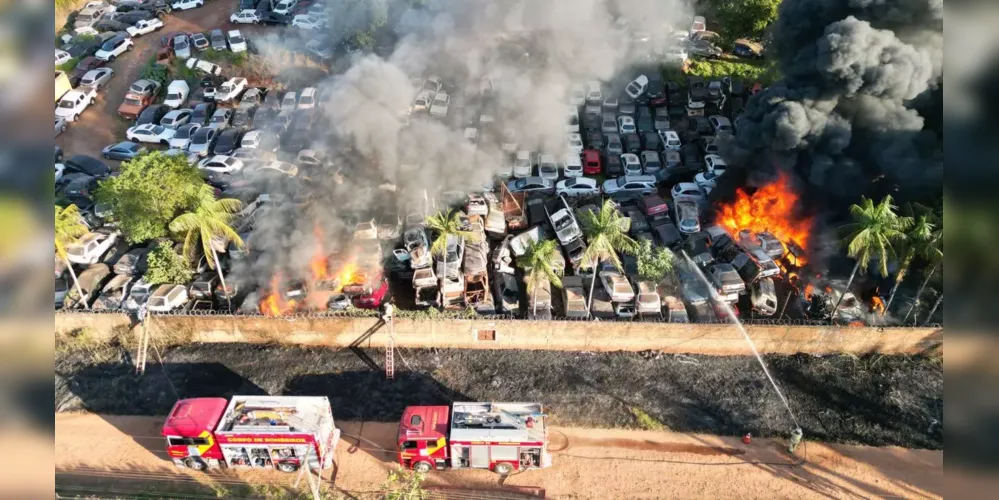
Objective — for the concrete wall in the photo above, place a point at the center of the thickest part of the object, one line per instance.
(717, 339)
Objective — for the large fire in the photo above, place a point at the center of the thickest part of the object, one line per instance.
(770, 209)
(274, 304)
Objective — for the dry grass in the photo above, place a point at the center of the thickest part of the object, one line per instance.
(97, 348)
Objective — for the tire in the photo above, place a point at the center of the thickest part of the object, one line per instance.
(74, 118)
(62, 128)
(165, 143)
(287, 467)
(422, 467)
(93, 100)
(195, 464)
(503, 469)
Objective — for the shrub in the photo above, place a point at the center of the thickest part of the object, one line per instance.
(167, 266)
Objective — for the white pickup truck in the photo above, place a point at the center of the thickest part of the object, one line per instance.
(74, 102)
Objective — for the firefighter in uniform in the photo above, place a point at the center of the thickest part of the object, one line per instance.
(795, 439)
(387, 312)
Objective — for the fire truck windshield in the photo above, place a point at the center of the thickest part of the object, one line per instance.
(182, 441)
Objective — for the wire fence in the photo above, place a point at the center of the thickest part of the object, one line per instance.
(424, 316)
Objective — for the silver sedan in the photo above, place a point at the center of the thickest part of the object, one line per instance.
(97, 77)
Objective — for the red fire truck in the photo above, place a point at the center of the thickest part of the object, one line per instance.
(501, 437)
(269, 432)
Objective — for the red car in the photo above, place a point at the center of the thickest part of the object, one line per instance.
(374, 299)
(591, 162)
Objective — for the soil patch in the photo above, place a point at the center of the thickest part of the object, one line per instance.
(879, 400)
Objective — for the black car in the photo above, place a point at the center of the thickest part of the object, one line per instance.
(152, 114)
(200, 41)
(122, 151)
(632, 144)
(591, 122)
(651, 141)
(701, 125)
(595, 139)
(656, 91)
(243, 118)
(111, 25)
(87, 165)
(737, 106)
(273, 18)
(82, 47)
(132, 17)
(86, 64)
(202, 112)
(297, 139)
(737, 89)
(263, 117)
(228, 141)
(77, 187)
(644, 123)
(613, 166)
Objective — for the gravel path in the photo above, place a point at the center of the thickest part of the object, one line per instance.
(880, 400)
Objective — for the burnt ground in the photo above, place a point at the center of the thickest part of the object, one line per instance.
(876, 400)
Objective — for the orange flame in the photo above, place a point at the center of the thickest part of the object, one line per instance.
(877, 305)
(809, 290)
(856, 323)
(771, 208)
(273, 304)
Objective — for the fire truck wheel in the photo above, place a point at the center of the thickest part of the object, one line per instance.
(195, 463)
(421, 467)
(503, 469)
(287, 467)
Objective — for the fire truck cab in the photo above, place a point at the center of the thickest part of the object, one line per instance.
(269, 432)
(501, 437)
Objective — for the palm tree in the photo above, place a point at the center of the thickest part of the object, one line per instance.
(209, 221)
(447, 225)
(933, 254)
(606, 234)
(69, 227)
(875, 233)
(538, 263)
(934, 308)
(920, 240)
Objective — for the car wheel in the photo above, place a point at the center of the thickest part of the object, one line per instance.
(503, 469)
(422, 467)
(165, 143)
(62, 128)
(93, 100)
(134, 139)
(73, 118)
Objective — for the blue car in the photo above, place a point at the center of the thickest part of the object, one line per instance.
(123, 151)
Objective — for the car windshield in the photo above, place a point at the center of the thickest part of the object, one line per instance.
(218, 118)
(440, 102)
(174, 96)
(183, 133)
(306, 99)
(180, 43)
(66, 104)
(236, 39)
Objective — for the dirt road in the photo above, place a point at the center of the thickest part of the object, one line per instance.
(122, 455)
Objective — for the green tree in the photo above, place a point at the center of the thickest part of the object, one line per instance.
(405, 485)
(606, 234)
(447, 225)
(876, 231)
(69, 227)
(148, 194)
(538, 263)
(165, 265)
(921, 240)
(654, 264)
(209, 222)
(734, 19)
(932, 253)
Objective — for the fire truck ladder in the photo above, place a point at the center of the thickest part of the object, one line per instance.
(143, 351)
(390, 352)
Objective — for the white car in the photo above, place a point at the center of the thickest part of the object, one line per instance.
(632, 165)
(637, 86)
(245, 16)
(573, 165)
(308, 21)
(626, 125)
(575, 143)
(522, 165)
(616, 285)
(167, 297)
(670, 139)
(577, 97)
(61, 57)
(177, 93)
(60, 169)
(676, 55)
(644, 184)
(114, 47)
(152, 133)
(720, 124)
(284, 7)
(182, 138)
(687, 219)
(75, 102)
(230, 89)
(221, 164)
(91, 246)
(186, 4)
(439, 107)
(307, 100)
(593, 93)
(577, 186)
(423, 100)
(707, 181)
(176, 118)
(204, 66)
(145, 27)
(96, 77)
(237, 43)
(714, 162)
(289, 101)
(687, 190)
(547, 167)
